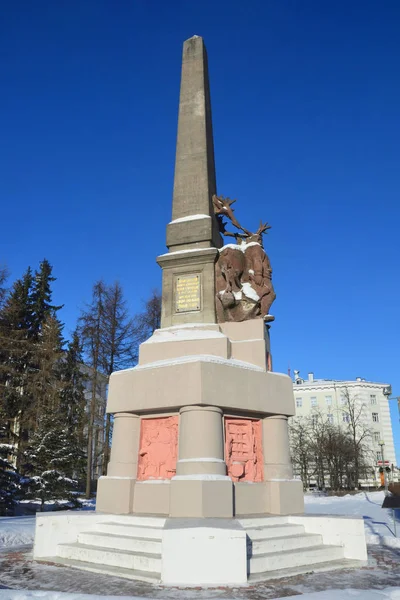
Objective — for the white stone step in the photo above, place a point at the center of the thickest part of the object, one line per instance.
(305, 569)
(138, 561)
(120, 542)
(262, 521)
(130, 530)
(280, 544)
(146, 576)
(138, 520)
(289, 559)
(274, 531)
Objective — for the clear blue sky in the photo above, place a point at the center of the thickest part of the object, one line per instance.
(306, 98)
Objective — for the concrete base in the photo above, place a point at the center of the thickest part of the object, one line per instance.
(205, 496)
(193, 552)
(285, 497)
(115, 495)
(192, 497)
(206, 552)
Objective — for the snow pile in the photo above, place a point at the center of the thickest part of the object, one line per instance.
(190, 218)
(378, 521)
(242, 246)
(16, 531)
(183, 334)
(205, 358)
(20, 531)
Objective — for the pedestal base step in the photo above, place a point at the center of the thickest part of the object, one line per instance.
(138, 561)
(145, 576)
(275, 545)
(334, 565)
(210, 552)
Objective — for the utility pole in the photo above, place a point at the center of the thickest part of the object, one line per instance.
(385, 478)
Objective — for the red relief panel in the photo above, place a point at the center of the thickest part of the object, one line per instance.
(243, 449)
(158, 448)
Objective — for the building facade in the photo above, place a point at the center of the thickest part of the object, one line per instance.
(330, 399)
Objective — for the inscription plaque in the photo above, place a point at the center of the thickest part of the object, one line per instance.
(187, 293)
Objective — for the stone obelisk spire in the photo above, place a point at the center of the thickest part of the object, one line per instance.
(192, 234)
(194, 182)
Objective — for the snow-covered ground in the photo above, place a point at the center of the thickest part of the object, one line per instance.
(16, 531)
(379, 526)
(19, 531)
(349, 594)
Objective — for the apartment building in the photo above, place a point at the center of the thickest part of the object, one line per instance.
(329, 397)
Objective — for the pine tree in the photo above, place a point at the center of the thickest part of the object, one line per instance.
(46, 334)
(41, 297)
(9, 480)
(72, 396)
(16, 360)
(30, 351)
(51, 455)
(47, 379)
(3, 290)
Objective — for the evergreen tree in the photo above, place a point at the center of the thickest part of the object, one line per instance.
(48, 355)
(3, 290)
(16, 359)
(30, 352)
(41, 297)
(9, 480)
(51, 455)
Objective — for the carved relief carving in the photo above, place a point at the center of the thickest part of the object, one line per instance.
(243, 272)
(158, 448)
(243, 449)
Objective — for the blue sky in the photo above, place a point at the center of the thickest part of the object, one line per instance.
(305, 99)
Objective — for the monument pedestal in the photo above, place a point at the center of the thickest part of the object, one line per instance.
(225, 410)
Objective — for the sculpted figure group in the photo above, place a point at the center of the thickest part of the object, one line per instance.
(243, 272)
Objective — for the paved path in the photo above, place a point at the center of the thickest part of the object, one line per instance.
(19, 571)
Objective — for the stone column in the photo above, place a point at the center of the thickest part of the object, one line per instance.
(115, 492)
(201, 487)
(284, 495)
(125, 446)
(201, 441)
(277, 464)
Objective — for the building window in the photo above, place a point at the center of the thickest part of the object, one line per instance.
(377, 436)
(343, 400)
(328, 400)
(375, 417)
(299, 402)
(313, 401)
(379, 456)
(314, 420)
(330, 418)
(372, 399)
(346, 418)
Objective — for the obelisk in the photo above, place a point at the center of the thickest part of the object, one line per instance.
(192, 234)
